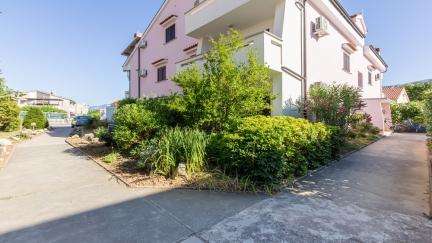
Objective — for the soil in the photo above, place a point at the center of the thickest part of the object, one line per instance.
(126, 169)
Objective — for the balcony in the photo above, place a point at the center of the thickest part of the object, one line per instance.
(210, 17)
(265, 45)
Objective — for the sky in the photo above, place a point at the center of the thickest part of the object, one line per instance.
(72, 47)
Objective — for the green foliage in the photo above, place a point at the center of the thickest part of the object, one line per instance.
(362, 127)
(333, 104)
(44, 109)
(134, 123)
(111, 158)
(269, 150)
(418, 91)
(428, 111)
(412, 110)
(35, 116)
(9, 110)
(94, 114)
(104, 134)
(224, 91)
(177, 146)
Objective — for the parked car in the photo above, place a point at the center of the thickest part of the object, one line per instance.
(79, 121)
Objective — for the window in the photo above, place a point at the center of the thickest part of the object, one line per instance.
(170, 33)
(370, 78)
(346, 62)
(360, 80)
(161, 74)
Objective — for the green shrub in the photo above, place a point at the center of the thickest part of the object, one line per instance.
(412, 110)
(134, 124)
(268, 150)
(111, 158)
(175, 146)
(9, 110)
(225, 90)
(36, 117)
(333, 104)
(428, 112)
(104, 134)
(418, 91)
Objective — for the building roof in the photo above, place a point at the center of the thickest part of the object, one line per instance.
(393, 92)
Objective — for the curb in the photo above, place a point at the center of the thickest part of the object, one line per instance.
(332, 163)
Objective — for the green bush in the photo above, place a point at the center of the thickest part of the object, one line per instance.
(333, 104)
(268, 150)
(173, 147)
(134, 124)
(104, 134)
(36, 117)
(113, 157)
(225, 90)
(412, 110)
(9, 110)
(428, 111)
(418, 91)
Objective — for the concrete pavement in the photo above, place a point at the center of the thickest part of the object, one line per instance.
(375, 195)
(51, 193)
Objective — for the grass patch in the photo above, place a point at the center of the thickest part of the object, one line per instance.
(111, 158)
(353, 144)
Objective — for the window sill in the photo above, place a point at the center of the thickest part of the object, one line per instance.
(166, 43)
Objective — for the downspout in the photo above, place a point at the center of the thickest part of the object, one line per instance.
(302, 6)
(139, 72)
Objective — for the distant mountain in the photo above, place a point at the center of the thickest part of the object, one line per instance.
(415, 82)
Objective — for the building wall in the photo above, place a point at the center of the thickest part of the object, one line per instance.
(325, 59)
(403, 97)
(157, 49)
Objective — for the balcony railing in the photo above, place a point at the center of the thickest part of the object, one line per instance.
(266, 46)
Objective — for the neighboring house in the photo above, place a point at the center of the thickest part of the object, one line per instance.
(397, 94)
(302, 42)
(40, 98)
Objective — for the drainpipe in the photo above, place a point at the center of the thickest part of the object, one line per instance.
(139, 72)
(302, 5)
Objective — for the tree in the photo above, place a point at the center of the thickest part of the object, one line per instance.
(417, 91)
(9, 110)
(35, 118)
(225, 90)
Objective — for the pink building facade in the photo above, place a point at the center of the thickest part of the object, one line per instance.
(302, 42)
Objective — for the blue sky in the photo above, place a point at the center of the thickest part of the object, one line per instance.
(72, 47)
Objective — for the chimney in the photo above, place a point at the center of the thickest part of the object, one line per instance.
(378, 50)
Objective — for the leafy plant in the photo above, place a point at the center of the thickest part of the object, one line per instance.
(418, 91)
(333, 104)
(412, 110)
(268, 150)
(9, 110)
(44, 109)
(111, 158)
(225, 90)
(35, 117)
(428, 111)
(175, 146)
(134, 123)
(104, 134)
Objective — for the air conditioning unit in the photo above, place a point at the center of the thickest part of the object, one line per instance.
(143, 73)
(321, 27)
(143, 44)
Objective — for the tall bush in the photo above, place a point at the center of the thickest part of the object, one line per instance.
(9, 110)
(225, 90)
(333, 104)
(418, 91)
(35, 117)
(268, 150)
(412, 110)
(134, 123)
(428, 111)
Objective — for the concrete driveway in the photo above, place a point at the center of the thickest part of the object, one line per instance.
(375, 195)
(51, 193)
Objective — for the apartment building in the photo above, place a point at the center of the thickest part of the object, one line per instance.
(301, 41)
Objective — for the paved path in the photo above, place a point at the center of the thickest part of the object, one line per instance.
(51, 193)
(375, 195)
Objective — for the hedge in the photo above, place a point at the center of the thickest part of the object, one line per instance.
(268, 150)
(36, 117)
